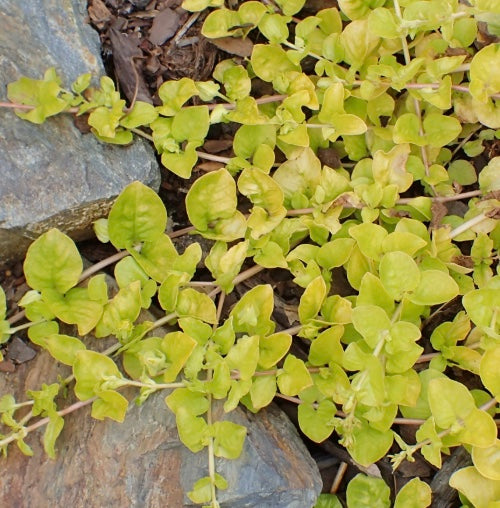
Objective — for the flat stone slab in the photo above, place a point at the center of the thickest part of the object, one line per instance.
(51, 175)
(142, 463)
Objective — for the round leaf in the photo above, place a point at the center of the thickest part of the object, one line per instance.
(487, 460)
(399, 273)
(53, 262)
(435, 287)
(480, 491)
(138, 215)
(317, 423)
(368, 492)
(489, 372)
(229, 438)
(415, 494)
(295, 376)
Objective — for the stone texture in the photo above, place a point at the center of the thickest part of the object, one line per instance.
(141, 462)
(51, 175)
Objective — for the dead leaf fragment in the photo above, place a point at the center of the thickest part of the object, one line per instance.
(234, 45)
(165, 25)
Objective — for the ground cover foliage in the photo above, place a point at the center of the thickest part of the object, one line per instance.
(399, 96)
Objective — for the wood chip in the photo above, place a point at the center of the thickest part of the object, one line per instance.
(19, 351)
(217, 145)
(99, 13)
(125, 58)
(234, 45)
(165, 26)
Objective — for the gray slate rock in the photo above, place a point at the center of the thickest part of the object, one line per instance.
(141, 463)
(51, 175)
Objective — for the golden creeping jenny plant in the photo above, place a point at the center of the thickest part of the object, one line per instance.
(399, 92)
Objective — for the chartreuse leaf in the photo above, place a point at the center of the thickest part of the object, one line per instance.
(489, 179)
(317, 422)
(202, 489)
(42, 94)
(335, 253)
(53, 262)
(415, 494)
(453, 406)
(158, 257)
(144, 356)
(368, 492)
(488, 370)
(487, 460)
(267, 197)
(383, 22)
(294, 377)
(178, 347)
(373, 292)
(326, 347)
(44, 405)
(3, 303)
(432, 450)
(182, 399)
(244, 356)
(449, 401)
(371, 322)
(328, 501)
(298, 177)
(224, 336)
(434, 287)
(211, 207)
(75, 307)
(399, 274)
(252, 314)
(262, 391)
(110, 404)
(52, 431)
(169, 290)
(225, 264)
(121, 312)
(198, 305)
(272, 348)
(220, 383)
(482, 307)
(101, 230)
(174, 94)
(81, 83)
(105, 120)
(142, 114)
(369, 444)
(229, 438)
(193, 430)
(4, 324)
(97, 289)
(484, 73)
(138, 215)
(62, 347)
(191, 123)
(249, 138)
(221, 23)
(270, 60)
(337, 310)
(441, 129)
(480, 491)
(127, 270)
(369, 238)
(312, 300)
(91, 370)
